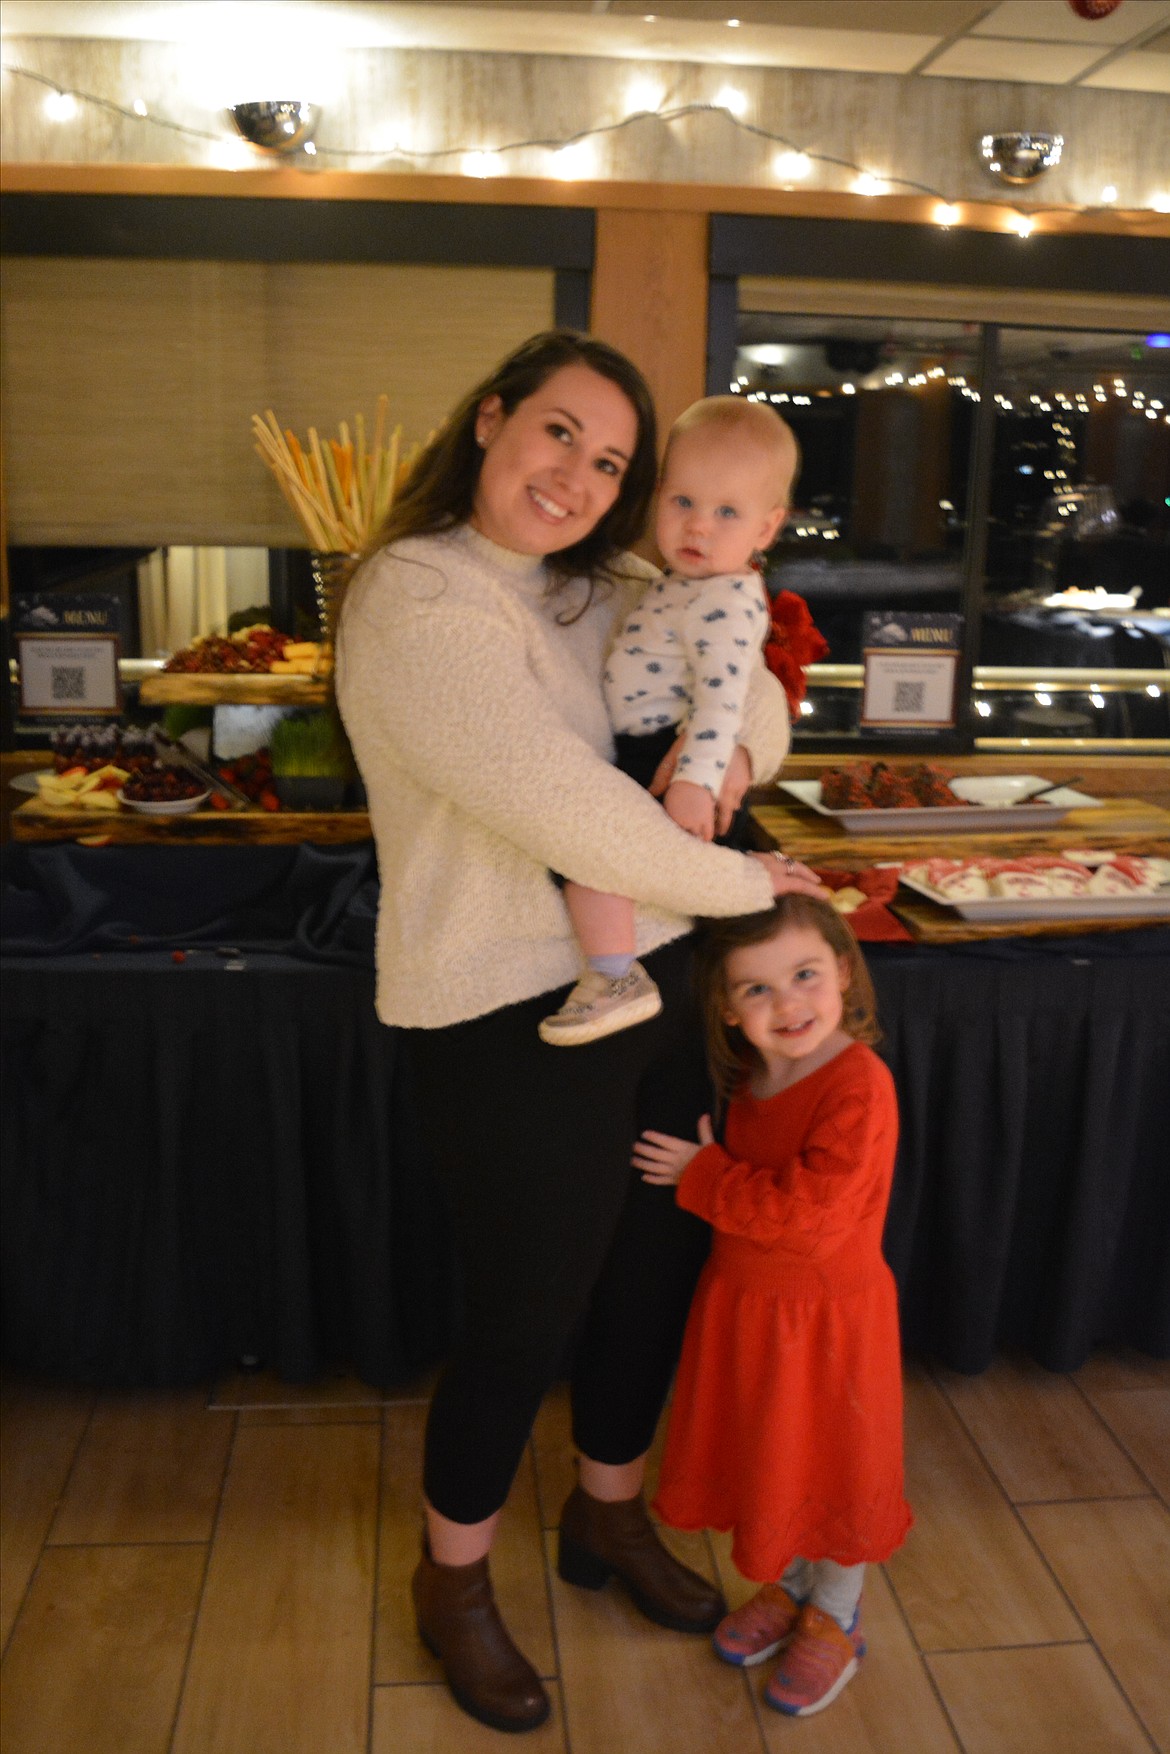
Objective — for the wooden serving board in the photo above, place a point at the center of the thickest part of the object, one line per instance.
(1120, 823)
(1116, 824)
(33, 822)
(251, 689)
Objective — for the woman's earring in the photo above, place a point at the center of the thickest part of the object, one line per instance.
(481, 441)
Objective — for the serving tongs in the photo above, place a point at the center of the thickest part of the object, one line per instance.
(180, 756)
(1048, 786)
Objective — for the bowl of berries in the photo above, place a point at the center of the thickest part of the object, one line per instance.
(160, 790)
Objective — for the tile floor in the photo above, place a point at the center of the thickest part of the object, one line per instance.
(225, 1572)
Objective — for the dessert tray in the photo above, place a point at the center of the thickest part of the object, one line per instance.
(1068, 886)
(989, 801)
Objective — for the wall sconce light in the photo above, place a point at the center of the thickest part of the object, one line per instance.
(276, 127)
(1020, 158)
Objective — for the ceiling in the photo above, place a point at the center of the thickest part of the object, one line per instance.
(1032, 41)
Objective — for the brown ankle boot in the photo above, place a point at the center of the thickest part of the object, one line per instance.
(599, 1541)
(459, 1623)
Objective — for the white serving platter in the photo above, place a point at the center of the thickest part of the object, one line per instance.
(990, 801)
(1154, 905)
(165, 806)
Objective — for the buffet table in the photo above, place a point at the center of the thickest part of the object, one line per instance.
(210, 1154)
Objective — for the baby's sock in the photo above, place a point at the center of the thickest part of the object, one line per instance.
(615, 966)
(798, 1580)
(836, 1590)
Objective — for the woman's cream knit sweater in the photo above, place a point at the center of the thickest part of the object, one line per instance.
(478, 724)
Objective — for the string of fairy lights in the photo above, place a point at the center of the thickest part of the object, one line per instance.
(1137, 401)
(573, 156)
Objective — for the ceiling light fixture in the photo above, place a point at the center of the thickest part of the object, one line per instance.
(276, 127)
(1020, 158)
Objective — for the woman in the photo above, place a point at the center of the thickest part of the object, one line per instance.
(469, 664)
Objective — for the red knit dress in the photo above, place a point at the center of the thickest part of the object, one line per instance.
(786, 1423)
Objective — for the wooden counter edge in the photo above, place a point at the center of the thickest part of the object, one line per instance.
(31, 823)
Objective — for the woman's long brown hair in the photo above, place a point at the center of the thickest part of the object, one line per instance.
(440, 490)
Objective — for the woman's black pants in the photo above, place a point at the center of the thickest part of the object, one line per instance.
(570, 1263)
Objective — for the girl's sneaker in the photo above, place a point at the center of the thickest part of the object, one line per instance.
(751, 1634)
(820, 1661)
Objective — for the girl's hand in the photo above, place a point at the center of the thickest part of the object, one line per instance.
(736, 781)
(662, 1158)
(789, 876)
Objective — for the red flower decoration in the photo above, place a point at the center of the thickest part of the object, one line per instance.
(792, 645)
(1094, 8)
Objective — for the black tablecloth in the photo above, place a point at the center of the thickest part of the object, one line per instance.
(217, 1157)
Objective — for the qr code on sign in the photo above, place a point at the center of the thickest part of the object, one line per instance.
(909, 697)
(67, 682)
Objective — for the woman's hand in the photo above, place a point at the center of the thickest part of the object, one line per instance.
(662, 1158)
(735, 785)
(789, 876)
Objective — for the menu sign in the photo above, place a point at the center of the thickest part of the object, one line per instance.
(911, 667)
(67, 649)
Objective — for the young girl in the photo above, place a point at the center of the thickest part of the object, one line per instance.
(786, 1425)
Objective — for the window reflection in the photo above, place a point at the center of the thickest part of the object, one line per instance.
(884, 412)
(1077, 498)
(1078, 552)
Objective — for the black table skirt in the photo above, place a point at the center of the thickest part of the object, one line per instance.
(204, 1162)
(208, 1164)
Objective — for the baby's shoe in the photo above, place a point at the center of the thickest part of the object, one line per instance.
(601, 1004)
(820, 1660)
(751, 1634)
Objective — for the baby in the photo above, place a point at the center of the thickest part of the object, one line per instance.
(682, 663)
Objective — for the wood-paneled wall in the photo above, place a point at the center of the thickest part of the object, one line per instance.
(650, 299)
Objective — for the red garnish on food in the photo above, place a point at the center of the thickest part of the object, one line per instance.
(794, 642)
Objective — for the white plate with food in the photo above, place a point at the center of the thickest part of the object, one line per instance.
(164, 806)
(1046, 887)
(988, 801)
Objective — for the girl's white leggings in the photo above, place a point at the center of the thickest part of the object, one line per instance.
(834, 1589)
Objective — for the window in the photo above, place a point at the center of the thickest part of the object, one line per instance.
(1019, 476)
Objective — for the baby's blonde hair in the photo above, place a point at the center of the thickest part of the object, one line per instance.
(753, 423)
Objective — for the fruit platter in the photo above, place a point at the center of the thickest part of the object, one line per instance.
(874, 797)
(256, 664)
(255, 650)
(1072, 885)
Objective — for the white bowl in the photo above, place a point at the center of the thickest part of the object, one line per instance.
(164, 806)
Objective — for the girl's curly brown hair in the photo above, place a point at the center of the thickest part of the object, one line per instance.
(732, 1059)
